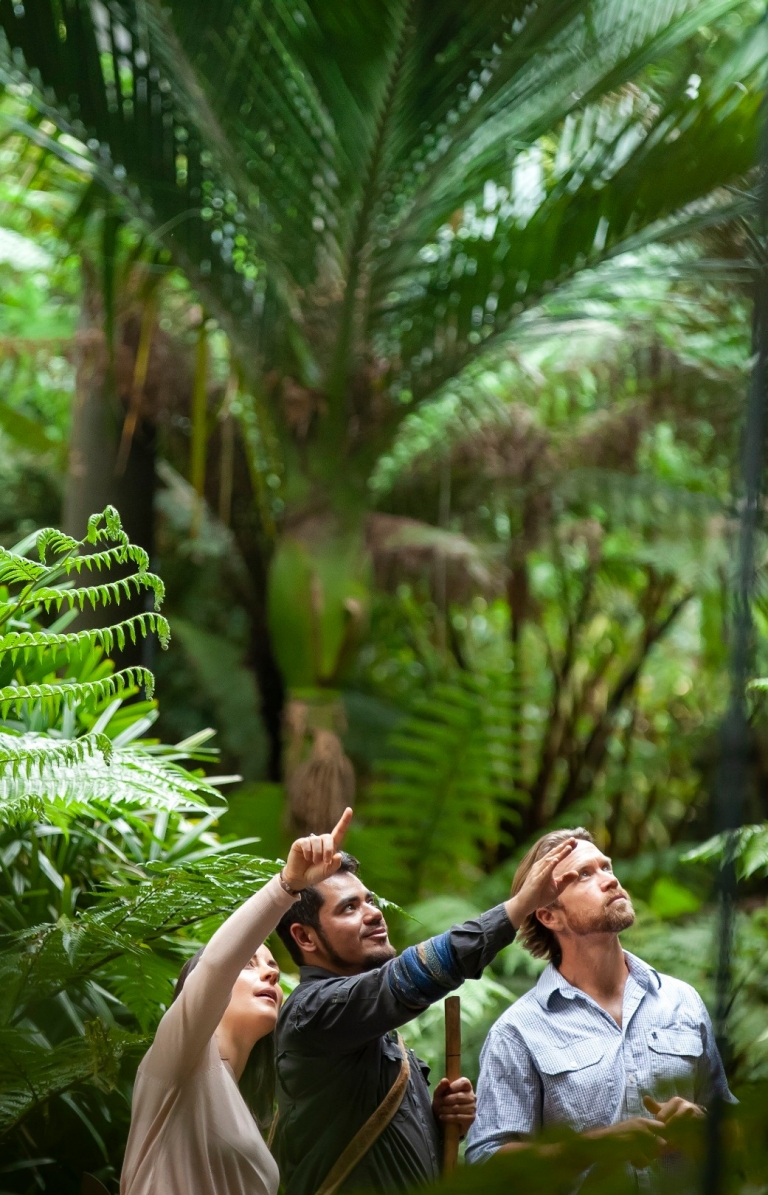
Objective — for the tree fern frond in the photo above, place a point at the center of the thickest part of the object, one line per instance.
(748, 846)
(99, 560)
(441, 800)
(28, 645)
(55, 540)
(30, 754)
(19, 570)
(106, 525)
(130, 779)
(52, 958)
(96, 595)
(32, 1071)
(51, 696)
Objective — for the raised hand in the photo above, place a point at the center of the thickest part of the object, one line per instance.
(316, 857)
(540, 887)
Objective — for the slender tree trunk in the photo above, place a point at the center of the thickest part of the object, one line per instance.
(93, 481)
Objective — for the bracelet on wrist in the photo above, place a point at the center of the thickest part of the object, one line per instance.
(286, 887)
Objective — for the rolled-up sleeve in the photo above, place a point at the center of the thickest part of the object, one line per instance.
(509, 1094)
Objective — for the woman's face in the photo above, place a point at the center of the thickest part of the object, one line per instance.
(256, 998)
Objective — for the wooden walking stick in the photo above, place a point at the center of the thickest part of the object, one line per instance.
(452, 1071)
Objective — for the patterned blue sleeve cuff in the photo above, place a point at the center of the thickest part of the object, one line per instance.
(425, 973)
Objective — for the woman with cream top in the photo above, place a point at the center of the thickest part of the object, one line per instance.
(192, 1132)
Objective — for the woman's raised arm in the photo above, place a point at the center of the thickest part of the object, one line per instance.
(192, 1019)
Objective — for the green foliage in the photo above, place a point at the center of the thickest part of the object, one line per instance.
(28, 587)
(422, 197)
(444, 795)
(748, 846)
(108, 857)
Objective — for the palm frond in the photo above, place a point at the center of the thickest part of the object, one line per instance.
(607, 186)
(300, 194)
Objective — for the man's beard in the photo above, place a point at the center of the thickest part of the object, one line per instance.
(379, 957)
(375, 959)
(611, 919)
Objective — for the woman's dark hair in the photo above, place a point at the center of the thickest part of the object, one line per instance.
(307, 910)
(257, 1082)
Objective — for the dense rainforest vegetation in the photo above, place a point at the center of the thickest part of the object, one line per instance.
(370, 422)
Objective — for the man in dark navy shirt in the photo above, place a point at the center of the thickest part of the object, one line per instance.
(337, 1052)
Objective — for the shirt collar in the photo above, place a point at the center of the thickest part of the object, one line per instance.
(551, 980)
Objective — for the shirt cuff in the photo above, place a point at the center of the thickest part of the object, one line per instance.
(476, 943)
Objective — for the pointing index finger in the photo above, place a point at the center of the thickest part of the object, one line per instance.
(341, 827)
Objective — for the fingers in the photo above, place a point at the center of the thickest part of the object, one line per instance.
(564, 880)
(555, 857)
(341, 827)
(461, 1084)
(651, 1104)
(328, 850)
(460, 1105)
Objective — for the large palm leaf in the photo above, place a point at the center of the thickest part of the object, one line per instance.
(311, 163)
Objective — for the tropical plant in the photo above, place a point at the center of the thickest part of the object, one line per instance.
(373, 209)
(106, 853)
(443, 795)
(579, 487)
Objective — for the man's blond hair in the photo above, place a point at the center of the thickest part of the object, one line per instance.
(534, 936)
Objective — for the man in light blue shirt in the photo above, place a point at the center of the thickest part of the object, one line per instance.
(603, 1043)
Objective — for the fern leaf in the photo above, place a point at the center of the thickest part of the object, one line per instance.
(99, 560)
(97, 595)
(32, 644)
(31, 753)
(32, 1071)
(65, 781)
(440, 798)
(55, 541)
(19, 570)
(44, 961)
(51, 696)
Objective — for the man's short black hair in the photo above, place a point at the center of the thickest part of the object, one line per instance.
(306, 911)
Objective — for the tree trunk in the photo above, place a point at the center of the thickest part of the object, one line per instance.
(93, 481)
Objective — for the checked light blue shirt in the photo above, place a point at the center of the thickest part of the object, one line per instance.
(557, 1057)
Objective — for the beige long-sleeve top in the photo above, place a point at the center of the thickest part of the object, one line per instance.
(191, 1130)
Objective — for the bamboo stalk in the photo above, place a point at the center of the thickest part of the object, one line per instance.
(452, 1071)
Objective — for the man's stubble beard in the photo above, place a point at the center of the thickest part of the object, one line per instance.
(614, 918)
(376, 959)
(379, 958)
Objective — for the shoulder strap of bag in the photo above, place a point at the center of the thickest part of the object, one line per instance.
(370, 1132)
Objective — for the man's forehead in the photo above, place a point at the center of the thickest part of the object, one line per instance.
(342, 885)
(582, 853)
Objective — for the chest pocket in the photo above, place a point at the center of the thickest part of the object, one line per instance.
(570, 1057)
(674, 1055)
(391, 1051)
(571, 1083)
